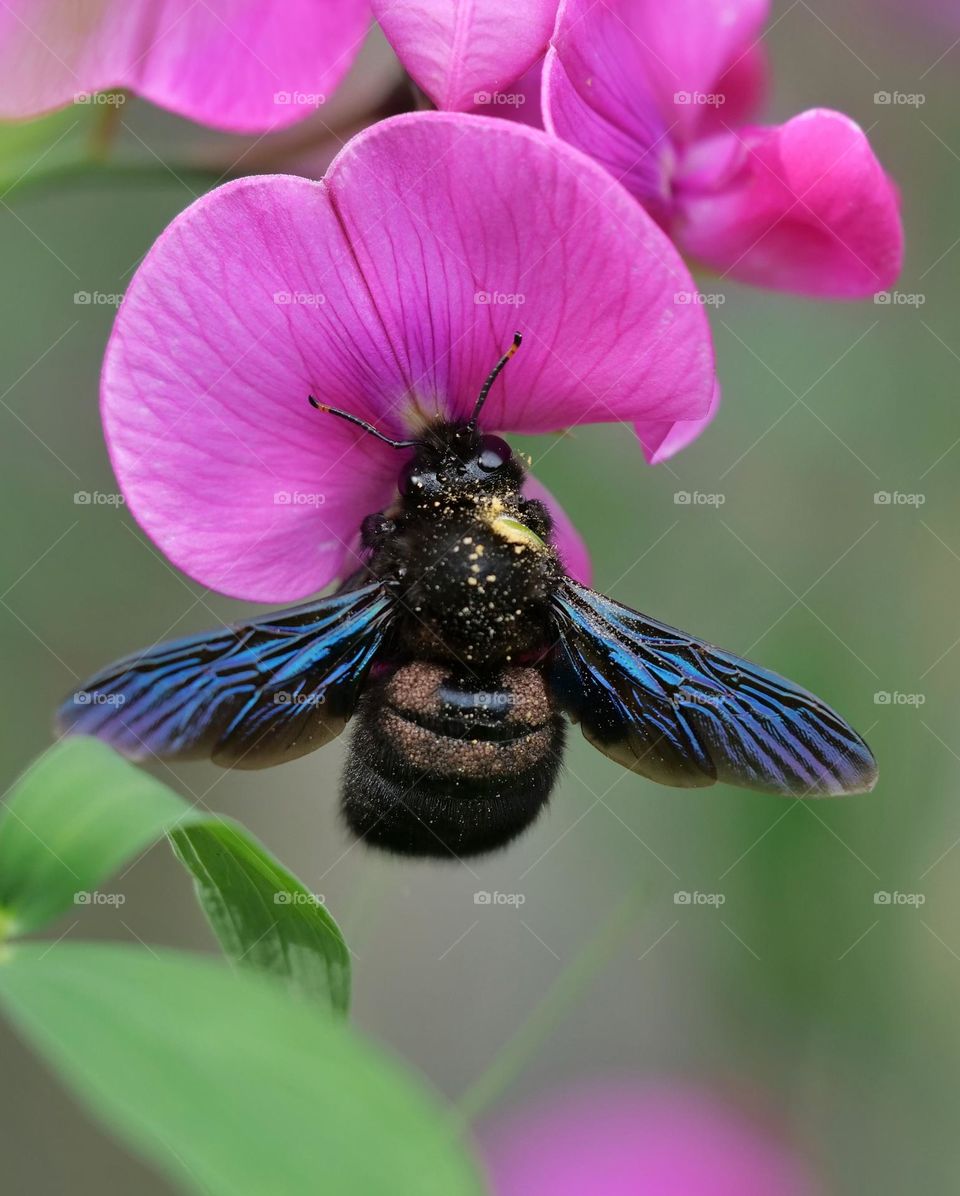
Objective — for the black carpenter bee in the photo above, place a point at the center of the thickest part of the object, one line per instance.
(459, 647)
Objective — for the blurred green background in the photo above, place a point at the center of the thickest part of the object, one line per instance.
(833, 1017)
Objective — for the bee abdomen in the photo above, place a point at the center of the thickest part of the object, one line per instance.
(460, 726)
(470, 754)
(446, 765)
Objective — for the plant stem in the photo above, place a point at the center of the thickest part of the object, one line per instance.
(105, 130)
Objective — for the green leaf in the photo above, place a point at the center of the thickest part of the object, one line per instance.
(225, 1082)
(77, 814)
(82, 811)
(262, 915)
(31, 150)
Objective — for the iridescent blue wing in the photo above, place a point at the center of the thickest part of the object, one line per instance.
(248, 696)
(684, 713)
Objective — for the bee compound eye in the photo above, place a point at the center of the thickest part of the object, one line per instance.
(494, 453)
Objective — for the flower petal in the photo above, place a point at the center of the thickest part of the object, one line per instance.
(469, 229)
(743, 86)
(689, 46)
(361, 291)
(628, 81)
(522, 102)
(459, 53)
(808, 208)
(214, 351)
(661, 441)
(598, 96)
(569, 543)
(240, 65)
(659, 1139)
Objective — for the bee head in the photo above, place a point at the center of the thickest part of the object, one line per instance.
(452, 456)
(456, 458)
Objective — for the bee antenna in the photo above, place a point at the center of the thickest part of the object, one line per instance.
(361, 423)
(492, 377)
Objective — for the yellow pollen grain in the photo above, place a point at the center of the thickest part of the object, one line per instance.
(515, 532)
(491, 577)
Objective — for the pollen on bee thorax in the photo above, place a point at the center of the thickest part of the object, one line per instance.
(506, 527)
(494, 513)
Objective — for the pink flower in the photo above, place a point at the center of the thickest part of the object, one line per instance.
(240, 65)
(388, 289)
(467, 55)
(632, 1139)
(661, 95)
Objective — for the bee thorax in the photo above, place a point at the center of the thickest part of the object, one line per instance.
(480, 593)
